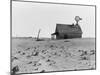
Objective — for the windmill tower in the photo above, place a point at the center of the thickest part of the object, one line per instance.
(77, 19)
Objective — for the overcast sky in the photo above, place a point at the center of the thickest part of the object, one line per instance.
(28, 18)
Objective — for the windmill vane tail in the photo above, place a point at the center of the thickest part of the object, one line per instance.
(80, 18)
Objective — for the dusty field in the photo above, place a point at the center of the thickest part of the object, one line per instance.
(43, 56)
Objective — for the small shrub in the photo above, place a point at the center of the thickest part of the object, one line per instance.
(14, 70)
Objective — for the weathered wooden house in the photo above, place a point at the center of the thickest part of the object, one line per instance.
(66, 31)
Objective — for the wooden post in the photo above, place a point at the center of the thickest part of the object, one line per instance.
(38, 34)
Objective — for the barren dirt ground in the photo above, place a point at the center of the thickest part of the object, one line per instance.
(32, 56)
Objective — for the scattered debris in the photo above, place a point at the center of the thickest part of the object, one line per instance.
(19, 51)
(14, 58)
(35, 53)
(84, 58)
(51, 46)
(23, 53)
(34, 64)
(52, 62)
(84, 53)
(27, 48)
(48, 60)
(92, 52)
(29, 62)
(43, 51)
(66, 41)
(80, 50)
(42, 57)
(36, 69)
(42, 71)
(28, 56)
(39, 64)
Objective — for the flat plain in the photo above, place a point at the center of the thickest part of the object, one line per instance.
(31, 56)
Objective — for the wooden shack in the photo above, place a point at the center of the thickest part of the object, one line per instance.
(67, 31)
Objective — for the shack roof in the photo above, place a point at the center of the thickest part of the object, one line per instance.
(67, 28)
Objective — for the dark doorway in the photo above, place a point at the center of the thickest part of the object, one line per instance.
(65, 36)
